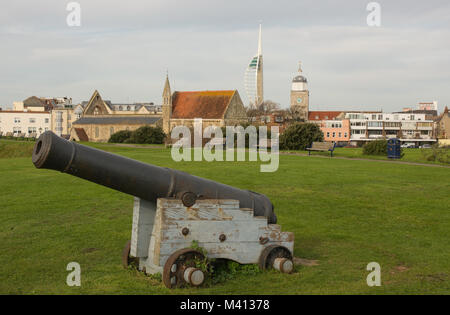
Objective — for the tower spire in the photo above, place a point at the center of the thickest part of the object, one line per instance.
(260, 40)
(166, 91)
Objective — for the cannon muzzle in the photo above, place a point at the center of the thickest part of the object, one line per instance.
(139, 179)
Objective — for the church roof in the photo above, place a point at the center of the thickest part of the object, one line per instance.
(81, 134)
(116, 120)
(201, 104)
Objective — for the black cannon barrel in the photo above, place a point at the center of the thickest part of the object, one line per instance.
(139, 179)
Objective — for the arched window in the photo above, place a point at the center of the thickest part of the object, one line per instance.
(96, 110)
(128, 108)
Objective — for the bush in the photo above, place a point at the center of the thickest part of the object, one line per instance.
(377, 147)
(120, 136)
(148, 134)
(300, 136)
(437, 154)
(145, 134)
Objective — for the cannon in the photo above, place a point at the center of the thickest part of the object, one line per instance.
(173, 209)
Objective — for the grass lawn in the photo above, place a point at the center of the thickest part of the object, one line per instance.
(410, 155)
(344, 213)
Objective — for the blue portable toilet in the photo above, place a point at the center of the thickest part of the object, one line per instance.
(394, 150)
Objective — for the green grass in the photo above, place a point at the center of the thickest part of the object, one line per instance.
(14, 148)
(344, 213)
(410, 155)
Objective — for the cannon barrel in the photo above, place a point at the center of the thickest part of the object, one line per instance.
(139, 179)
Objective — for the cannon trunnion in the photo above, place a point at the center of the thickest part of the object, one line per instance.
(173, 209)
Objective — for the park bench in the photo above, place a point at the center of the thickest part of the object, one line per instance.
(322, 146)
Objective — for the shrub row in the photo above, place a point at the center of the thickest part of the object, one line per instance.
(145, 134)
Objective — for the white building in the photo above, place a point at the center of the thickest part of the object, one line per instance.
(408, 127)
(24, 123)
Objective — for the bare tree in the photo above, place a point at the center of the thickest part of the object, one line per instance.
(268, 106)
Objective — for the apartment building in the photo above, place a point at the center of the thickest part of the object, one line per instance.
(408, 127)
(24, 123)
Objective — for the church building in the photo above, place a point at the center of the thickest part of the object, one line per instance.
(100, 119)
(215, 108)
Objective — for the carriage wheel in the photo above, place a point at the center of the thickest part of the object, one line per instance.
(278, 257)
(180, 269)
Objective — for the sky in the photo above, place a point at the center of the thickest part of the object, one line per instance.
(123, 49)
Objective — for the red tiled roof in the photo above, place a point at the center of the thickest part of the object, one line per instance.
(201, 104)
(81, 134)
(323, 115)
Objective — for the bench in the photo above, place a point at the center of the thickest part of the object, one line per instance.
(322, 146)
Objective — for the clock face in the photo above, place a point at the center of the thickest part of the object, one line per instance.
(299, 100)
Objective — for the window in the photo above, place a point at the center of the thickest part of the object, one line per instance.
(374, 117)
(46, 120)
(128, 108)
(31, 130)
(412, 117)
(328, 134)
(17, 120)
(32, 120)
(345, 134)
(340, 134)
(334, 134)
(380, 117)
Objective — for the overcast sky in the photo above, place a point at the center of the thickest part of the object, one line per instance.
(123, 49)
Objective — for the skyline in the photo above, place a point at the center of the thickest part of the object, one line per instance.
(124, 50)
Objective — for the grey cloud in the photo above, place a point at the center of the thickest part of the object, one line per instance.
(124, 48)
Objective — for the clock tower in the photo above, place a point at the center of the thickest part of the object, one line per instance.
(300, 96)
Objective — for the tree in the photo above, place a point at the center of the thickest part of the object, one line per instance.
(268, 106)
(300, 136)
